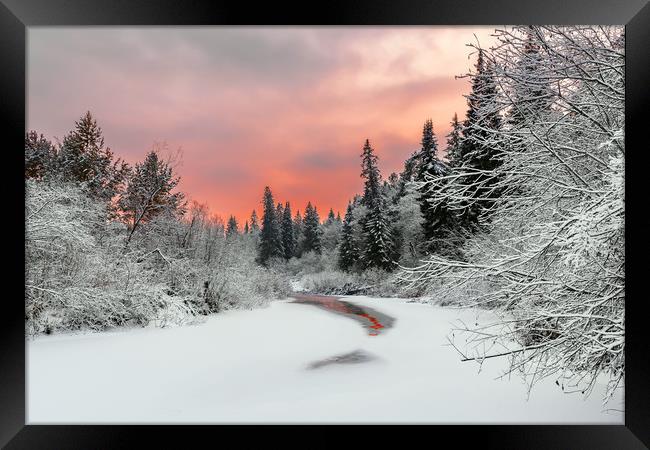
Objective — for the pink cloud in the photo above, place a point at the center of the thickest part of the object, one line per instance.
(289, 108)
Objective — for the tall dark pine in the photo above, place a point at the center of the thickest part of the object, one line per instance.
(376, 228)
(429, 167)
(83, 158)
(312, 230)
(348, 250)
(246, 229)
(279, 212)
(378, 236)
(288, 233)
(270, 245)
(299, 235)
(427, 157)
(370, 172)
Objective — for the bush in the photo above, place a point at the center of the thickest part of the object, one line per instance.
(81, 274)
(372, 282)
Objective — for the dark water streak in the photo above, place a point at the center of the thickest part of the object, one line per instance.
(373, 321)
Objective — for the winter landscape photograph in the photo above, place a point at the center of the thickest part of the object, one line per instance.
(326, 225)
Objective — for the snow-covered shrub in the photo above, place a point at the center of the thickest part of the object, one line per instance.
(331, 282)
(312, 262)
(77, 276)
(375, 282)
(82, 272)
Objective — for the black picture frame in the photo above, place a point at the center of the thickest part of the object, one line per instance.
(17, 15)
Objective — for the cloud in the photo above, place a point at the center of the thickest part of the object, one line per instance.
(287, 107)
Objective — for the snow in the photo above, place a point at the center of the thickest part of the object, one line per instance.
(297, 285)
(254, 366)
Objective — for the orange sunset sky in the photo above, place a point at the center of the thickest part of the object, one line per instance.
(287, 107)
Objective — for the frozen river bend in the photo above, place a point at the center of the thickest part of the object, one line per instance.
(302, 360)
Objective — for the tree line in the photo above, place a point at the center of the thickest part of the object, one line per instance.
(525, 215)
(536, 178)
(108, 244)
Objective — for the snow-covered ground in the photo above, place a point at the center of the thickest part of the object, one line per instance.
(253, 366)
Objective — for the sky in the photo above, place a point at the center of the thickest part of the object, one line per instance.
(249, 107)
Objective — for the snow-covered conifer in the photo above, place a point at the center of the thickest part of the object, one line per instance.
(270, 245)
(312, 230)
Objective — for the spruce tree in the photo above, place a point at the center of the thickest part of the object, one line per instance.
(255, 227)
(312, 230)
(39, 156)
(232, 228)
(376, 229)
(330, 216)
(407, 175)
(427, 157)
(246, 229)
(378, 233)
(149, 193)
(299, 235)
(270, 245)
(83, 158)
(279, 212)
(429, 167)
(454, 141)
(532, 92)
(288, 233)
(370, 172)
(478, 156)
(348, 250)
(331, 234)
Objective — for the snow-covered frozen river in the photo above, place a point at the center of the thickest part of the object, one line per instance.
(292, 363)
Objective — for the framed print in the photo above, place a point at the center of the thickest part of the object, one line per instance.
(372, 214)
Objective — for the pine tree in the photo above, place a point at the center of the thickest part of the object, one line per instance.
(453, 142)
(370, 171)
(255, 227)
(379, 244)
(429, 167)
(232, 228)
(348, 250)
(299, 235)
(312, 230)
(532, 92)
(477, 155)
(83, 158)
(270, 245)
(39, 156)
(407, 175)
(288, 233)
(330, 216)
(279, 212)
(331, 232)
(427, 157)
(149, 193)
(246, 229)
(377, 232)
(409, 232)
